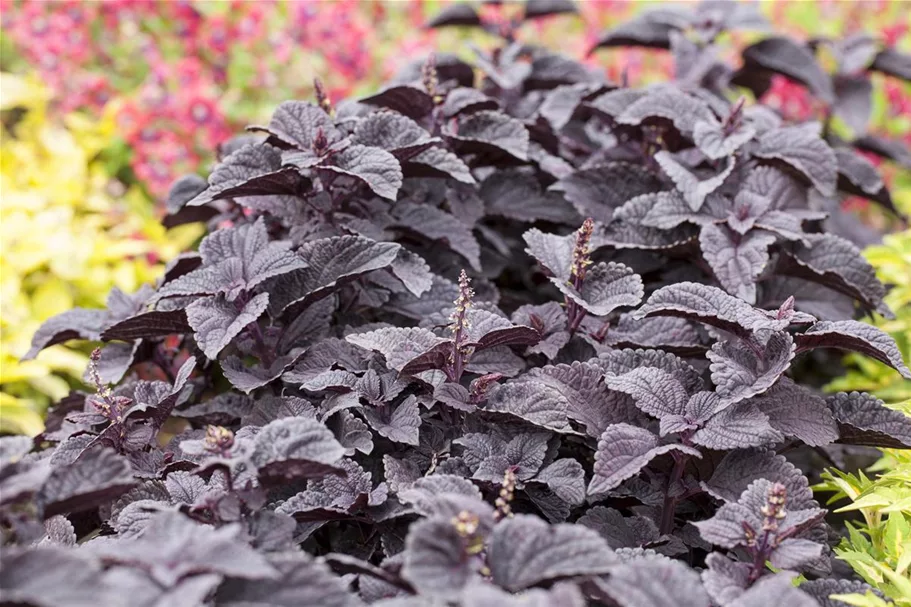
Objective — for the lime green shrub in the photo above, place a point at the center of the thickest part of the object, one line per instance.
(892, 261)
(70, 231)
(879, 549)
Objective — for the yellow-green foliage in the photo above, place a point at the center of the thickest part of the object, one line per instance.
(879, 549)
(892, 261)
(69, 233)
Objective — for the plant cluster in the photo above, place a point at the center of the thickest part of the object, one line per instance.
(877, 547)
(193, 72)
(525, 342)
(190, 72)
(101, 234)
(892, 262)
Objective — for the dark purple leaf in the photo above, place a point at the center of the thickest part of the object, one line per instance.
(835, 263)
(253, 170)
(776, 589)
(627, 231)
(885, 148)
(858, 176)
(525, 551)
(737, 260)
(674, 335)
(399, 346)
(436, 559)
(822, 589)
(296, 447)
(490, 130)
(854, 102)
(183, 190)
(857, 337)
(713, 141)
(301, 582)
(330, 262)
(588, 399)
(893, 62)
(741, 425)
(709, 305)
(797, 412)
(670, 209)
(740, 372)
(863, 419)
(666, 103)
(248, 378)
(398, 134)
(78, 323)
(788, 58)
(216, 322)
(375, 167)
(554, 253)
(456, 14)
(623, 451)
(235, 259)
(297, 124)
(801, 148)
(651, 29)
(727, 527)
(489, 330)
(739, 468)
(546, 8)
(51, 576)
(560, 104)
(399, 423)
(654, 583)
(532, 401)
(654, 391)
(566, 478)
(693, 189)
(607, 286)
(438, 225)
(438, 162)
(598, 191)
(465, 99)
(149, 324)
(619, 531)
(98, 476)
(517, 195)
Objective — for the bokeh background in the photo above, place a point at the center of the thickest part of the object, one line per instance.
(104, 104)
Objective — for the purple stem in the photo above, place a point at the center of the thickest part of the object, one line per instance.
(670, 501)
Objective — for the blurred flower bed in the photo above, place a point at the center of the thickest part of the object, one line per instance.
(105, 103)
(70, 231)
(205, 69)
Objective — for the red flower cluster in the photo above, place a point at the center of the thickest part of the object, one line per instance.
(180, 65)
(192, 73)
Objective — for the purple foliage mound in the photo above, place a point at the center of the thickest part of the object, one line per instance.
(529, 342)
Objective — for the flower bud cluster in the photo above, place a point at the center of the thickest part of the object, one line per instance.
(507, 492)
(581, 253)
(218, 440)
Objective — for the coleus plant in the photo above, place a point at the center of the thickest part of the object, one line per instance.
(529, 342)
